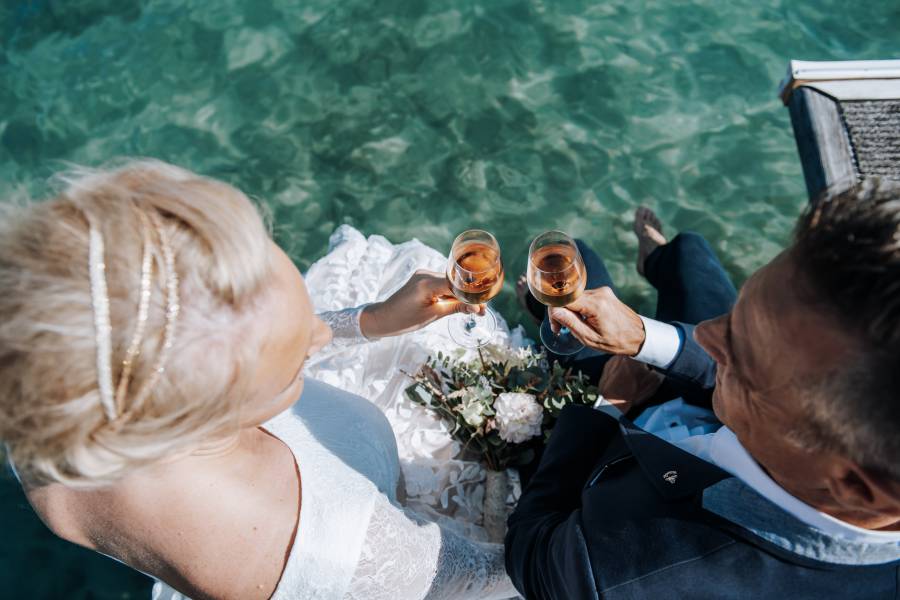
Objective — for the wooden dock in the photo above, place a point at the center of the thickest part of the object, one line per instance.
(846, 120)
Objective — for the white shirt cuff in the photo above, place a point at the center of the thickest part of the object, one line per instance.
(661, 344)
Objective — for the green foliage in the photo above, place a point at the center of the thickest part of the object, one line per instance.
(462, 393)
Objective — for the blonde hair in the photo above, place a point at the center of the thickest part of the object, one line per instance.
(51, 417)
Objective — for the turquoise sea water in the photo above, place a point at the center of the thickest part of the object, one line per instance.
(421, 119)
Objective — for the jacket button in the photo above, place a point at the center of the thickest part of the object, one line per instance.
(670, 477)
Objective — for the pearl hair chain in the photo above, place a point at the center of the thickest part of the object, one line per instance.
(143, 312)
(172, 309)
(114, 403)
(102, 327)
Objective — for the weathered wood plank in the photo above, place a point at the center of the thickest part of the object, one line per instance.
(822, 141)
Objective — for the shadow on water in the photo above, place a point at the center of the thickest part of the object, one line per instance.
(36, 564)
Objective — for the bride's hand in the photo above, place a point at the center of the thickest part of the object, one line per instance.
(425, 298)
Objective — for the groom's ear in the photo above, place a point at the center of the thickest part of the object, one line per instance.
(864, 490)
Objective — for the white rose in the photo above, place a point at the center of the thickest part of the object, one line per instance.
(518, 417)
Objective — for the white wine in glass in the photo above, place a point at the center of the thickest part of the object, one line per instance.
(475, 273)
(556, 277)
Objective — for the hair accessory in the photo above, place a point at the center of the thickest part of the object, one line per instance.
(102, 327)
(141, 325)
(114, 403)
(173, 307)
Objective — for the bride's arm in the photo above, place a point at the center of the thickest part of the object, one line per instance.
(345, 325)
(407, 557)
(424, 298)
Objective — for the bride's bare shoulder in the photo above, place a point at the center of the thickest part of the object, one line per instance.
(216, 526)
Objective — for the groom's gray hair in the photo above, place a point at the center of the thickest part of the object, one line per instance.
(847, 247)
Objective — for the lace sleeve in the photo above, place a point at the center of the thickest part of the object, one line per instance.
(345, 326)
(406, 557)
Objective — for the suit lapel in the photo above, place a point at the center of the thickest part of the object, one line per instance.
(676, 474)
(616, 453)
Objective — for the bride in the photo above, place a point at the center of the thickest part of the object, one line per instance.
(154, 343)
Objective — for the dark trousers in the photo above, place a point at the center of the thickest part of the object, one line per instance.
(690, 282)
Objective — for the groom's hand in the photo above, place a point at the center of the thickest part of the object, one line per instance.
(425, 298)
(602, 322)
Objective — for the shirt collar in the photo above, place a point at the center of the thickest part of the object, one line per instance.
(757, 503)
(727, 452)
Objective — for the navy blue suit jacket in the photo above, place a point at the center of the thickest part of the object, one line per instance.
(614, 512)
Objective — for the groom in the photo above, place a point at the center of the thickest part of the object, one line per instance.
(791, 489)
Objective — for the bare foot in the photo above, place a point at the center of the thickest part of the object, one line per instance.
(648, 229)
(523, 293)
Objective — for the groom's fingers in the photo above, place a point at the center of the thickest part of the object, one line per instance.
(563, 317)
(569, 316)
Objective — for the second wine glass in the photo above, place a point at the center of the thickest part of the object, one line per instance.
(475, 272)
(556, 277)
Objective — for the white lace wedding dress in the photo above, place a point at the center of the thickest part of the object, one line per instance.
(354, 433)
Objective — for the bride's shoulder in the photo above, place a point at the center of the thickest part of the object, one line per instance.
(215, 526)
(239, 513)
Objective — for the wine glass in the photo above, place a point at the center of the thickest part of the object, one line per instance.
(475, 272)
(556, 277)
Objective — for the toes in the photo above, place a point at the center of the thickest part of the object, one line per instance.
(648, 229)
(640, 217)
(645, 219)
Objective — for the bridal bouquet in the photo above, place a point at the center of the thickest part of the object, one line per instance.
(501, 404)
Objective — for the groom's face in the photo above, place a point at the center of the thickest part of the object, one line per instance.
(772, 349)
